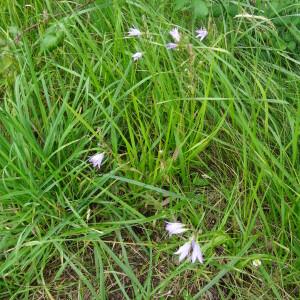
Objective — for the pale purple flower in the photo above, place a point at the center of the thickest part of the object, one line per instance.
(136, 56)
(190, 250)
(96, 160)
(175, 228)
(201, 33)
(134, 32)
(184, 251)
(171, 46)
(196, 252)
(175, 34)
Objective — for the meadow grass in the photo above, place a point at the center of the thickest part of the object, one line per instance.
(207, 135)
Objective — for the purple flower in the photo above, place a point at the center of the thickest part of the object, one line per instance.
(136, 56)
(190, 250)
(175, 34)
(171, 46)
(184, 251)
(96, 160)
(175, 228)
(196, 253)
(201, 33)
(134, 32)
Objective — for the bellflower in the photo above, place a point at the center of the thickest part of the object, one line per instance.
(171, 46)
(175, 228)
(201, 33)
(136, 56)
(134, 32)
(196, 253)
(190, 250)
(175, 34)
(184, 251)
(96, 160)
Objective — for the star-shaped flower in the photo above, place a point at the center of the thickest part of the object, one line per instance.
(134, 32)
(96, 160)
(197, 253)
(175, 228)
(175, 34)
(170, 46)
(201, 33)
(191, 250)
(184, 251)
(136, 56)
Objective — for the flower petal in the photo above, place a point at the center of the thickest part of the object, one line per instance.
(134, 32)
(201, 33)
(170, 46)
(184, 251)
(175, 34)
(97, 159)
(136, 56)
(196, 253)
(175, 227)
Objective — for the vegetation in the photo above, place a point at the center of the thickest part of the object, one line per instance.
(206, 134)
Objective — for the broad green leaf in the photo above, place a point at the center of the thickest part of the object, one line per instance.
(49, 42)
(179, 4)
(200, 8)
(53, 37)
(216, 10)
(273, 8)
(233, 10)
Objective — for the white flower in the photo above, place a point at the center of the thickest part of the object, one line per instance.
(171, 46)
(256, 263)
(175, 34)
(175, 228)
(136, 56)
(184, 251)
(96, 160)
(134, 32)
(201, 33)
(197, 253)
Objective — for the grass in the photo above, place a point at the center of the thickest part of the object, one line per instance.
(207, 135)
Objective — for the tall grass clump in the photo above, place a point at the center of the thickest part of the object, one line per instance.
(206, 134)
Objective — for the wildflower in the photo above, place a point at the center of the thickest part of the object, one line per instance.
(201, 33)
(96, 160)
(134, 32)
(256, 263)
(175, 228)
(197, 253)
(191, 250)
(171, 46)
(184, 251)
(175, 34)
(88, 214)
(136, 56)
